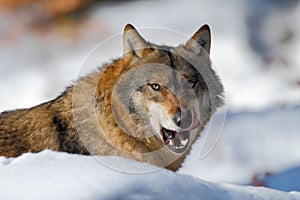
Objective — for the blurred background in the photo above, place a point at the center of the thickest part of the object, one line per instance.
(255, 50)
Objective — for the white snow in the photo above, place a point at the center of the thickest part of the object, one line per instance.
(52, 175)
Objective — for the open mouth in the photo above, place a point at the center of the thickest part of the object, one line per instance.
(175, 141)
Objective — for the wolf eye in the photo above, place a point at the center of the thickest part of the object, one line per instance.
(155, 86)
(192, 83)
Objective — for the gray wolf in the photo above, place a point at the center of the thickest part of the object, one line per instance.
(149, 105)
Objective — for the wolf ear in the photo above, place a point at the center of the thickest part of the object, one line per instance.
(202, 38)
(133, 41)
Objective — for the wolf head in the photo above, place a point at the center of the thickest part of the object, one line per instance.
(168, 93)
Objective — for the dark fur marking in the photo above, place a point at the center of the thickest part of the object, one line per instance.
(131, 107)
(175, 82)
(67, 143)
(141, 89)
(171, 59)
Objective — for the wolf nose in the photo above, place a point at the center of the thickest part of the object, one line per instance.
(177, 117)
(186, 119)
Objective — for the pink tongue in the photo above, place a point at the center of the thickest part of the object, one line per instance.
(195, 124)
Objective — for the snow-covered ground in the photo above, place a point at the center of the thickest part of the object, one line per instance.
(261, 130)
(50, 175)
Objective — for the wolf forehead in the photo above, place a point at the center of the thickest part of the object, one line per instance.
(178, 58)
(186, 59)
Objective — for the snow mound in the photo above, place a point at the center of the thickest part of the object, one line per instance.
(53, 175)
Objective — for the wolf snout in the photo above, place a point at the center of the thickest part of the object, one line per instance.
(183, 119)
(177, 118)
